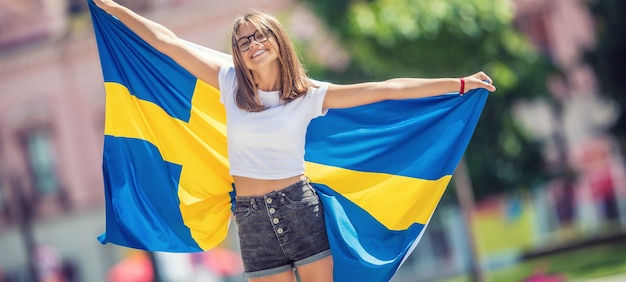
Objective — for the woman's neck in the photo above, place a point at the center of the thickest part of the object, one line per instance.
(268, 79)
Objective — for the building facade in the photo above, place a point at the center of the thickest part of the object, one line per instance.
(52, 124)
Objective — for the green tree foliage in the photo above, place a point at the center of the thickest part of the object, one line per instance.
(432, 38)
(608, 58)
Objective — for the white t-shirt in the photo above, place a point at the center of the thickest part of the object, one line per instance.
(268, 144)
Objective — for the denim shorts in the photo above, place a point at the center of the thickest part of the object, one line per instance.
(281, 230)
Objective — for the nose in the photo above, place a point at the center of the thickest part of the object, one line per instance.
(254, 43)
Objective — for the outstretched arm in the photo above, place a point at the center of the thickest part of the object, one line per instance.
(205, 66)
(345, 96)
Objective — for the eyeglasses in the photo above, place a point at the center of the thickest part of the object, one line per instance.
(245, 42)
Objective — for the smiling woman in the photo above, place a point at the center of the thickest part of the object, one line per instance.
(269, 102)
(262, 68)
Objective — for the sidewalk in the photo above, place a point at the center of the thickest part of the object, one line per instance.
(617, 237)
(613, 278)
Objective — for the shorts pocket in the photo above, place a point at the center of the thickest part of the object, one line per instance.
(302, 198)
(242, 213)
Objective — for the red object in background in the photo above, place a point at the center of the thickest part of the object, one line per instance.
(601, 182)
(135, 268)
(223, 262)
(541, 277)
(593, 162)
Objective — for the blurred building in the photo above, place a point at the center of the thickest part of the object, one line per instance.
(575, 134)
(52, 122)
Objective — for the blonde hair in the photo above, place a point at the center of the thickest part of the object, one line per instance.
(295, 82)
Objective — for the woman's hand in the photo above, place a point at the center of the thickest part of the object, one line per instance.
(479, 80)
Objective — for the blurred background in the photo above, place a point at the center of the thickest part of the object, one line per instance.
(539, 196)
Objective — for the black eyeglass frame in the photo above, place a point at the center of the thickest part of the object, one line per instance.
(266, 36)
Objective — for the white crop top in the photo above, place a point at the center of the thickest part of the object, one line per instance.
(268, 144)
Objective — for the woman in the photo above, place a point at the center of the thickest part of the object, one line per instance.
(269, 102)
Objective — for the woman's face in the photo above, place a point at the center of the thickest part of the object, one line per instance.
(256, 54)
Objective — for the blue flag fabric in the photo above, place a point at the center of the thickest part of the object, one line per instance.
(380, 169)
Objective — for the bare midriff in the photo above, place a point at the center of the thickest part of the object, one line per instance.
(246, 186)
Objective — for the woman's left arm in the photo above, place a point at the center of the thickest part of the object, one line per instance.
(351, 95)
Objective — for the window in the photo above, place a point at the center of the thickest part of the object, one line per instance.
(3, 199)
(77, 6)
(41, 159)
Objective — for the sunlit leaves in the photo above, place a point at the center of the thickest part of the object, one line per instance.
(410, 19)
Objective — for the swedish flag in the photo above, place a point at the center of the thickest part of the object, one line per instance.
(380, 169)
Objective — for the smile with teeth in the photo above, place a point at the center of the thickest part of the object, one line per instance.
(259, 52)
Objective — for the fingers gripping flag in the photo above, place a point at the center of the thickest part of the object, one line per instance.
(380, 169)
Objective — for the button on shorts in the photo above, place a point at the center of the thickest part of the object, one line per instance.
(281, 230)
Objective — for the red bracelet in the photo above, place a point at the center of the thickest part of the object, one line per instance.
(462, 86)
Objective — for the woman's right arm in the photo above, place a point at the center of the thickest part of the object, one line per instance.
(204, 66)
